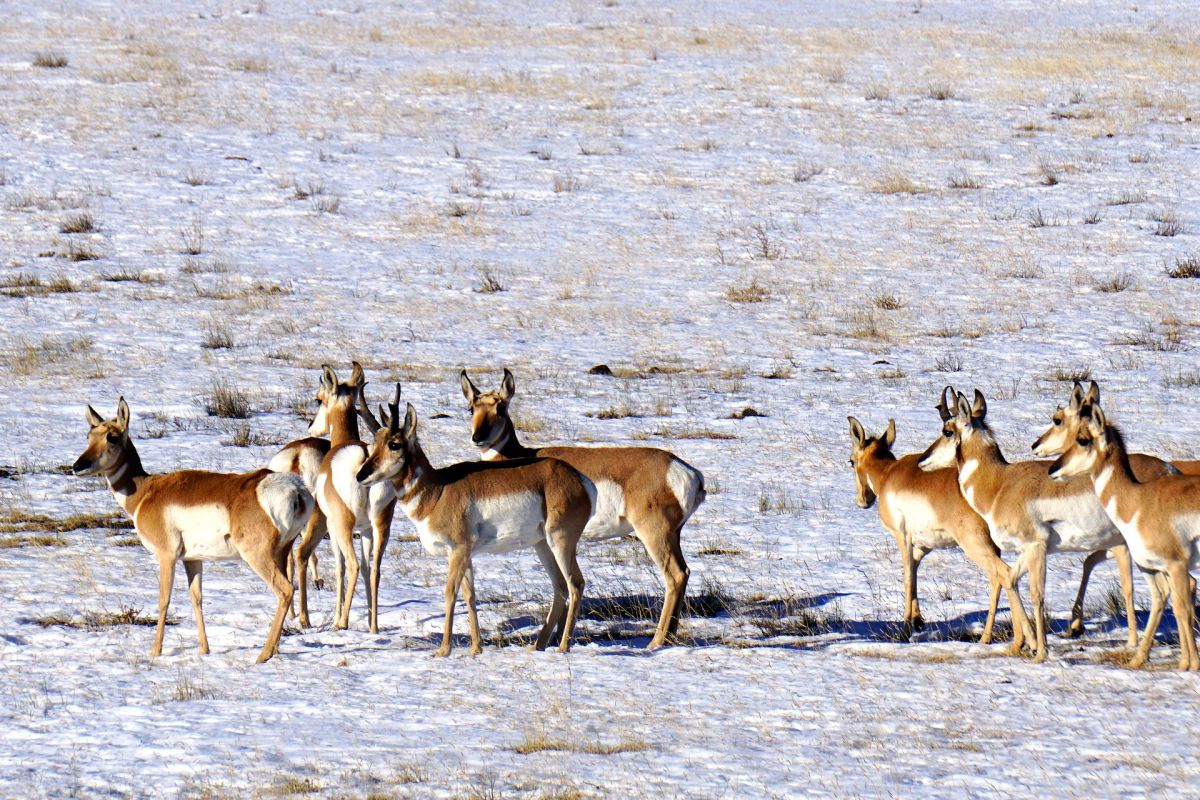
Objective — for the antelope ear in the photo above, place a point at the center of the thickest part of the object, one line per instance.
(123, 414)
(384, 418)
(962, 409)
(410, 422)
(1097, 423)
(856, 432)
(889, 436)
(469, 390)
(508, 386)
(1076, 402)
(1093, 394)
(328, 378)
(943, 407)
(979, 407)
(93, 419)
(357, 378)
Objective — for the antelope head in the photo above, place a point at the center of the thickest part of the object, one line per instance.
(107, 440)
(489, 410)
(334, 397)
(863, 448)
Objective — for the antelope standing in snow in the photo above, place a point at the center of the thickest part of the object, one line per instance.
(303, 457)
(1064, 428)
(925, 511)
(1159, 518)
(348, 506)
(197, 516)
(481, 507)
(640, 490)
(1025, 511)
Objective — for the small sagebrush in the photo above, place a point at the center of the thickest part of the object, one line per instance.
(81, 222)
(1185, 267)
(50, 60)
(226, 401)
(752, 292)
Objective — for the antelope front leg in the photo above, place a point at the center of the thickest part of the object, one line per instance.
(1075, 629)
(1159, 589)
(195, 574)
(460, 557)
(166, 576)
(314, 532)
(1022, 630)
(918, 621)
(468, 586)
(1125, 566)
(1037, 596)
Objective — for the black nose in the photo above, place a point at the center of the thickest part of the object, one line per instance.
(80, 466)
(477, 439)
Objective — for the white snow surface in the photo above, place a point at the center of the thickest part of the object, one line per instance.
(353, 175)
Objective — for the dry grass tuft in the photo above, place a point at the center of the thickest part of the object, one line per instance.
(895, 182)
(1185, 267)
(226, 401)
(27, 521)
(81, 222)
(50, 60)
(540, 743)
(753, 292)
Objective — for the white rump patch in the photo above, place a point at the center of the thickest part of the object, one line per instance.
(687, 484)
(204, 531)
(507, 522)
(286, 502)
(919, 520)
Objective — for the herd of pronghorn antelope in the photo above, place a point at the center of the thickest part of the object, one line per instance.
(1096, 498)
(517, 497)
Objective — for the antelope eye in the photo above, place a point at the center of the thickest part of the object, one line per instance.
(1082, 442)
(1057, 421)
(949, 434)
(113, 437)
(393, 445)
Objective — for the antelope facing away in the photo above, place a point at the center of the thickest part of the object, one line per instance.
(197, 516)
(303, 457)
(348, 506)
(1159, 518)
(925, 511)
(1064, 428)
(640, 490)
(1025, 511)
(480, 507)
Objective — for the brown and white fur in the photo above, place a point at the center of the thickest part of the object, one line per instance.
(348, 506)
(640, 490)
(1159, 518)
(197, 516)
(925, 511)
(1064, 427)
(480, 507)
(1025, 511)
(303, 457)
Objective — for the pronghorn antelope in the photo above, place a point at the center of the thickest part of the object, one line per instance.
(481, 507)
(349, 507)
(303, 457)
(197, 516)
(1159, 518)
(1025, 511)
(640, 490)
(925, 511)
(1064, 427)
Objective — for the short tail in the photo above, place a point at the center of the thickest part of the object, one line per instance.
(286, 502)
(687, 484)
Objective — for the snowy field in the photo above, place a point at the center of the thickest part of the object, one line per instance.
(807, 209)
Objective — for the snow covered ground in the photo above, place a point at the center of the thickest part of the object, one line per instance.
(809, 209)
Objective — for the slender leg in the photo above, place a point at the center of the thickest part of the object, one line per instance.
(1181, 604)
(195, 574)
(291, 576)
(1125, 566)
(977, 546)
(341, 536)
(468, 586)
(1075, 629)
(1159, 589)
(558, 606)
(661, 541)
(314, 532)
(460, 557)
(271, 566)
(563, 547)
(381, 528)
(918, 621)
(166, 576)
(367, 544)
(1037, 596)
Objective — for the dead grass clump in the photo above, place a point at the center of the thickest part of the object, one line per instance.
(192, 236)
(964, 181)
(877, 91)
(489, 282)
(1185, 267)
(242, 436)
(37, 540)
(764, 243)
(753, 292)
(217, 336)
(49, 59)
(27, 521)
(886, 301)
(895, 182)
(99, 620)
(566, 182)
(806, 171)
(940, 92)
(1182, 380)
(82, 251)
(81, 222)
(950, 362)
(226, 401)
(540, 743)
(1126, 198)
(1049, 173)
(1115, 283)
(691, 433)
(27, 357)
(26, 284)
(1070, 374)
(1038, 219)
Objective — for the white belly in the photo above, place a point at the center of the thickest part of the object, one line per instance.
(204, 531)
(920, 521)
(1077, 523)
(608, 516)
(509, 522)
